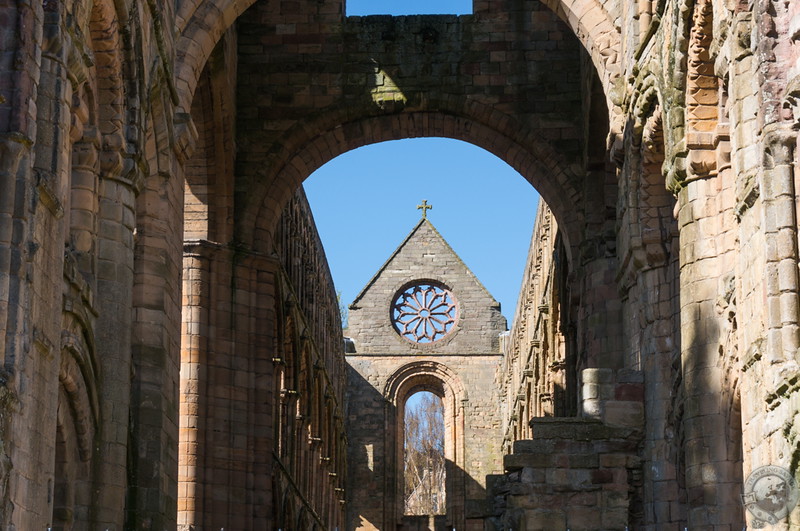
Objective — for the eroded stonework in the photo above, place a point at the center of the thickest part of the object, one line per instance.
(150, 296)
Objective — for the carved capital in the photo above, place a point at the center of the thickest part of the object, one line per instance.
(111, 158)
(85, 152)
(780, 141)
(702, 163)
(742, 44)
(12, 148)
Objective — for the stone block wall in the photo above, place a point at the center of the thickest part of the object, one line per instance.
(287, 449)
(576, 474)
(425, 255)
(602, 105)
(378, 386)
(386, 368)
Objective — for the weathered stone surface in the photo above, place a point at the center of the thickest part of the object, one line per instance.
(387, 368)
(150, 298)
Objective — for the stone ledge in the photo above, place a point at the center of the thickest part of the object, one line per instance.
(577, 429)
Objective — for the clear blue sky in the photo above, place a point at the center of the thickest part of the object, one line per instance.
(408, 7)
(364, 204)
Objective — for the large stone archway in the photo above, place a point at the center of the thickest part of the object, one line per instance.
(102, 102)
(385, 78)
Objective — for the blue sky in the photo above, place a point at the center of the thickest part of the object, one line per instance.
(364, 204)
(408, 7)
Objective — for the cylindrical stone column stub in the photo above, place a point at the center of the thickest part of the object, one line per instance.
(81, 212)
(155, 354)
(597, 388)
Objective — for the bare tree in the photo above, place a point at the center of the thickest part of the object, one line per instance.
(424, 461)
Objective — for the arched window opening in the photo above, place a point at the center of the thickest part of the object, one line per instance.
(424, 455)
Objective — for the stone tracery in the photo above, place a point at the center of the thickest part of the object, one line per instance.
(424, 312)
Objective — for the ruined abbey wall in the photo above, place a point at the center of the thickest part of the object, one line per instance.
(385, 368)
(148, 151)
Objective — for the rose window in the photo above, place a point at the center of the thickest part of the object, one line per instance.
(424, 312)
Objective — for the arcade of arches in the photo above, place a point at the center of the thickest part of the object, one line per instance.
(172, 356)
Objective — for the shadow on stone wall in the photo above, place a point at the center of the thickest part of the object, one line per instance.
(374, 472)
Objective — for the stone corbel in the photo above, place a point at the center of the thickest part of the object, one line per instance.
(742, 44)
(792, 102)
(779, 142)
(12, 148)
(749, 192)
(702, 157)
(185, 137)
(46, 186)
(676, 168)
(111, 157)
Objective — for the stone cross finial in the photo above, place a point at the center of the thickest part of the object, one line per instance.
(424, 207)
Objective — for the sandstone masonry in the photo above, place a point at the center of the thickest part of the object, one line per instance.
(171, 354)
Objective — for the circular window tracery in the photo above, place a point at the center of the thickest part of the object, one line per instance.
(424, 312)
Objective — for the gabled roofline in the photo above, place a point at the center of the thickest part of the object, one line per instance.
(401, 246)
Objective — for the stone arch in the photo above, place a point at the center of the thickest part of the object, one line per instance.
(646, 198)
(595, 28)
(310, 145)
(440, 380)
(208, 194)
(77, 423)
(288, 514)
(76, 378)
(202, 23)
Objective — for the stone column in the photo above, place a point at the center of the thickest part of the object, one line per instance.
(193, 387)
(707, 232)
(20, 64)
(155, 352)
(13, 149)
(35, 291)
(115, 258)
(226, 424)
